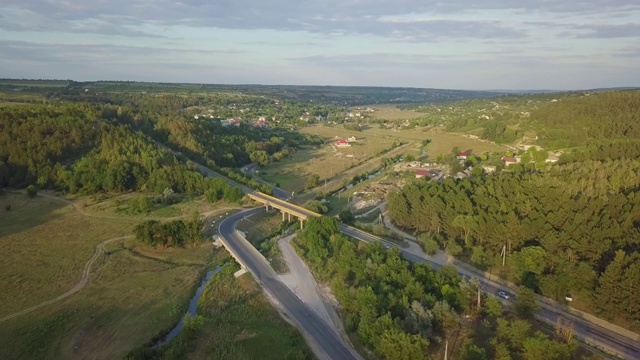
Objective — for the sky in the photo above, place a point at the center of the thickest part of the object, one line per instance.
(463, 44)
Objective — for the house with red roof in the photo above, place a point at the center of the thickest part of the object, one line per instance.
(463, 155)
(508, 160)
(342, 143)
(422, 173)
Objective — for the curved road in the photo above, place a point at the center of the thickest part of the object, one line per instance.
(625, 346)
(323, 336)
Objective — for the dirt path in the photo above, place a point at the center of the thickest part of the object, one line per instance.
(99, 250)
(81, 284)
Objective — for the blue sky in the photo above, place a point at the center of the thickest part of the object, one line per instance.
(472, 44)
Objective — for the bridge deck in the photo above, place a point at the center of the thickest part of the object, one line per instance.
(283, 205)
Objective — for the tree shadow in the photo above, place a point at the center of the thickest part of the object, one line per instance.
(19, 213)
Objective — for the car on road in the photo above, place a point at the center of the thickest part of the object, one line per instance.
(503, 295)
(387, 245)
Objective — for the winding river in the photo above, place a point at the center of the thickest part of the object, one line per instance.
(193, 306)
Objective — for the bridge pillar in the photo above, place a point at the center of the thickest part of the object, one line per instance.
(267, 207)
(289, 216)
(301, 224)
(283, 216)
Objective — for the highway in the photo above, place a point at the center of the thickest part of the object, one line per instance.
(323, 336)
(590, 333)
(626, 346)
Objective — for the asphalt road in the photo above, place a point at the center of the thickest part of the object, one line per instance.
(317, 329)
(277, 192)
(624, 346)
(582, 329)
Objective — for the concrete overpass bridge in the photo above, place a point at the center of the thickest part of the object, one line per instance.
(288, 209)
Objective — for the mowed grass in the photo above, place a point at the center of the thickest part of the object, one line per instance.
(239, 323)
(132, 295)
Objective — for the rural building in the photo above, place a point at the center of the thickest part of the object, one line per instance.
(508, 160)
(463, 155)
(342, 143)
(351, 139)
(422, 173)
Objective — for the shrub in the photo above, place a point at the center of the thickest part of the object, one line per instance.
(32, 191)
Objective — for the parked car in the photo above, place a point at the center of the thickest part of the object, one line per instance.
(503, 295)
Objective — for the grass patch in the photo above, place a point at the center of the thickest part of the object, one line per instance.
(132, 295)
(238, 323)
(49, 243)
(288, 181)
(263, 230)
(391, 113)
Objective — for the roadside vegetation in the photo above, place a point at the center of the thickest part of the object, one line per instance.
(404, 310)
(235, 321)
(568, 231)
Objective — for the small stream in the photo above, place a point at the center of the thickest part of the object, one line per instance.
(193, 305)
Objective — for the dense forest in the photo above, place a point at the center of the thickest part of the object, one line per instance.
(554, 121)
(76, 148)
(84, 142)
(573, 229)
(574, 121)
(404, 310)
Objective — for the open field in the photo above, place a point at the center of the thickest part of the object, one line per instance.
(132, 295)
(238, 323)
(119, 206)
(441, 142)
(326, 161)
(391, 113)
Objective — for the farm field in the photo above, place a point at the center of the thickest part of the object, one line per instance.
(392, 113)
(131, 296)
(441, 142)
(326, 161)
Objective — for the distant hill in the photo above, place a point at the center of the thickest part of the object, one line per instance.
(336, 95)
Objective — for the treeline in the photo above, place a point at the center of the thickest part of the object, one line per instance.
(604, 150)
(404, 310)
(72, 148)
(563, 230)
(177, 233)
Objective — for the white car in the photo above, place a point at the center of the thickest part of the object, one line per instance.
(503, 295)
